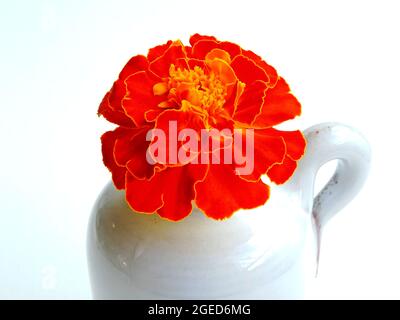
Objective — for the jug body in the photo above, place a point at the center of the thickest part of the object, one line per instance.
(270, 252)
(263, 253)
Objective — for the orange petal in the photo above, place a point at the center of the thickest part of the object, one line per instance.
(221, 120)
(294, 141)
(152, 115)
(223, 192)
(280, 173)
(202, 47)
(158, 51)
(171, 122)
(135, 64)
(250, 102)
(247, 71)
(144, 196)
(223, 70)
(196, 63)
(279, 106)
(179, 190)
(220, 54)
(181, 63)
(232, 48)
(111, 106)
(197, 37)
(117, 93)
(130, 151)
(125, 148)
(188, 50)
(270, 71)
(140, 97)
(108, 140)
(232, 98)
(169, 192)
(160, 66)
(160, 88)
(184, 119)
(115, 116)
(268, 150)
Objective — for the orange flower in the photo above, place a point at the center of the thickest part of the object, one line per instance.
(208, 85)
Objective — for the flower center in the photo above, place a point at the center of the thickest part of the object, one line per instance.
(203, 90)
(194, 90)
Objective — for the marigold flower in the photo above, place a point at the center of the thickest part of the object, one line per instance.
(208, 85)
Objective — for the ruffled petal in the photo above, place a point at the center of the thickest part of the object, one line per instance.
(181, 63)
(202, 47)
(130, 151)
(115, 116)
(221, 121)
(196, 63)
(160, 66)
(218, 54)
(171, 122)
(108, 140)
(250, 102)
(158, 51)
(279, 106)
(223, 192)
(197, 37)
(294, 141)
(183, 120)
(280, 173)
(268, 150)
(111, 105)
(247, 70)
(223, 70)
(135, 64)
(144, 196)
(179, 191)
(232, 99)
(116, 95)
(269, 70)
(169, 192)
(295, 148)
(152, 115)
(140, 97)
(232, 48)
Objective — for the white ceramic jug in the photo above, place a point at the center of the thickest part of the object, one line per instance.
(265, 253)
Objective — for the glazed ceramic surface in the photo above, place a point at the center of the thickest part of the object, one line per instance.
(265, 253)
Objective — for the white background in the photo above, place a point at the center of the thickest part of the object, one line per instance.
(58, 58)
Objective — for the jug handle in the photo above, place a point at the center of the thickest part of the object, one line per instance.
(326, 142)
